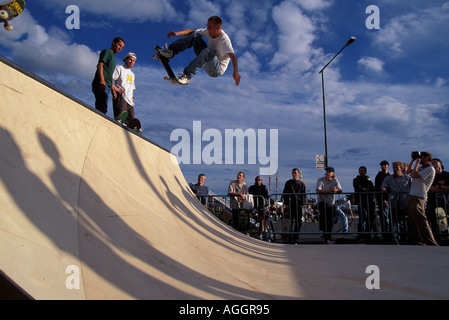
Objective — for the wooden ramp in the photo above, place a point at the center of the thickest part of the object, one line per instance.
(89, 210)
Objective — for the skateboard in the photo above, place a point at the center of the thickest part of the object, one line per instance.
(10, 10)
(171, 76)
(441, 220)
(122, 117)
(135, 125)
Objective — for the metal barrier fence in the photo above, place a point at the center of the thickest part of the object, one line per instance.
(347, 217)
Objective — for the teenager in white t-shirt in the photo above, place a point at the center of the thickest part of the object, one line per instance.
(213, 57)
(125, 79)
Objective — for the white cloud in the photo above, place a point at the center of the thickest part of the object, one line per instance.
(200, 11)
(128, 10)
(296, 35)
(249, 63)
(440, 82)
(313, 4)
(372, 63)
(48, 52)
(414, 30)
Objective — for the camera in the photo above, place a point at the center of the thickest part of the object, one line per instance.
(416, 155)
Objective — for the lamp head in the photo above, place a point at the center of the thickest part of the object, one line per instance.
(351, 40)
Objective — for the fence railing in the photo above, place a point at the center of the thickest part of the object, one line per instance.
(311, 217)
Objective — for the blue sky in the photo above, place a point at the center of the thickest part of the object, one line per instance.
(387, 94)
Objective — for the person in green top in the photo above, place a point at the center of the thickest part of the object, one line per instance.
(102, 83)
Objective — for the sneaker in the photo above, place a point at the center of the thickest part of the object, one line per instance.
(184, 80)
(166, 53)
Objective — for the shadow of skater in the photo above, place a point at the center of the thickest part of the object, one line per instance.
(102, 233)
(34, 199)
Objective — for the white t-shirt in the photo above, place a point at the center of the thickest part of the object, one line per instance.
(125, 79)
(323, 184)
(420, 186)
(222, 45)
(234, 187)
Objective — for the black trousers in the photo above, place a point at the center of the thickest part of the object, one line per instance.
(326, 213)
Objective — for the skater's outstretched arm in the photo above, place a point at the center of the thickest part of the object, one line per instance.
(179, 33)
(235, 64)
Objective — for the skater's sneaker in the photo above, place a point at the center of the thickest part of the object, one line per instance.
(166, 52)
(184, 80)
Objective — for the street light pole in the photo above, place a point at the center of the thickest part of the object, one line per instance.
(326, 162)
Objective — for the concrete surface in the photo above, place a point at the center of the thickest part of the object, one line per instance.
(86, 202)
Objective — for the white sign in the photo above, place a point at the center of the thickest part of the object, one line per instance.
(320, 161)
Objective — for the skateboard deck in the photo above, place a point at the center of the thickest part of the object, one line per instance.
(10, 10)
(122, 117)
(171, 76)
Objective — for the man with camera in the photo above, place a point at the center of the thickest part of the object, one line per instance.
(423, 173)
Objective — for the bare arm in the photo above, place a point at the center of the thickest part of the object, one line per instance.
(101, 75)
(236, 194)
(235, 64)
(413, 170)
(179, 33)
(333, 190)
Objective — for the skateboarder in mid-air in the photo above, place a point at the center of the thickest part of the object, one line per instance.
(214, 59)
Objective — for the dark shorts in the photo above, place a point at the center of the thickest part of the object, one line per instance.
(120, 105)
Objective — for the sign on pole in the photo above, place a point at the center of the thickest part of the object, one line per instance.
(320, 161)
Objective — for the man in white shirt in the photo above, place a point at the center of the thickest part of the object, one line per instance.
(238, 190)
(213, 58)
(125, 79)
(422, 181)
(327, 187)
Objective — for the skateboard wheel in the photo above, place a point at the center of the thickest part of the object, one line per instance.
(4, 15)
(8, 26)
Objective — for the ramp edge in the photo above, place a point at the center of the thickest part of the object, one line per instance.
(44, 82)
